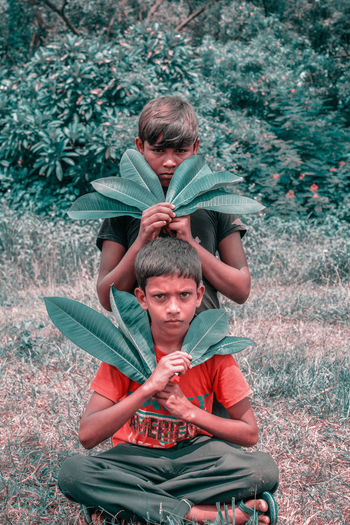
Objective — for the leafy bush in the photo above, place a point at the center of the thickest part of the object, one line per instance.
(273, 107)
(68, 115)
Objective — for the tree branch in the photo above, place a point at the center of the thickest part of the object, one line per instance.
(192, 16)
(190, 6)
(111, 23)
(153, 9)
(61, 14)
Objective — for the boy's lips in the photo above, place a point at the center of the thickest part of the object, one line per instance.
(165, 178)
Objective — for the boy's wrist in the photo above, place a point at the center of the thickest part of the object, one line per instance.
(148, 388)
(137, 245)
(189, 415)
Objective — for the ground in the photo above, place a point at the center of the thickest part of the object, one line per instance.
(299, 372)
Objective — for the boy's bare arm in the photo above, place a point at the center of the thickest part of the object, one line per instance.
(102, 417)
(241, 429)
(230, 274)
(117, 264)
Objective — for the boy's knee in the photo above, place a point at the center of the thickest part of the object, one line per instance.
(266, 472)
(69, 475)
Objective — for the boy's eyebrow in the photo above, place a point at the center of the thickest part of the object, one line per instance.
(157, 291)
(158, 146)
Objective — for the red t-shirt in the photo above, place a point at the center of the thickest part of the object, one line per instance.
(154, 426)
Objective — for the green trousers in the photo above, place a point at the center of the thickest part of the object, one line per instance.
(156, 483)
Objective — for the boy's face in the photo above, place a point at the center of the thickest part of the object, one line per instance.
(164, 161)
(171, 302)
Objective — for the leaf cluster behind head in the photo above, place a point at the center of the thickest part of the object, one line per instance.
(192, 186)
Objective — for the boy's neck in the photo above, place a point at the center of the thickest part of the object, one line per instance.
(166, 344)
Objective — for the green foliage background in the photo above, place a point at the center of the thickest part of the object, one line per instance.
(269, 80)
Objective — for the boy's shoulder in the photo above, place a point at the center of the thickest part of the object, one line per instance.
(110, 382)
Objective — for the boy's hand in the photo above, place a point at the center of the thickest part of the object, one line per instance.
(153, 220)
(173, 399)
(175, 363)
(181, 226)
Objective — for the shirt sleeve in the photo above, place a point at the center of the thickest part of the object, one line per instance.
(229, 383)
(227, 224)
(113, 229)
(109, 382)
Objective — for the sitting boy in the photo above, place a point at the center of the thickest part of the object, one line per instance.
(172, 458)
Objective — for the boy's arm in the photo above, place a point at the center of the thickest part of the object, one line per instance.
(230, 274)
(241, 429)
(117, 264)
(102, 417)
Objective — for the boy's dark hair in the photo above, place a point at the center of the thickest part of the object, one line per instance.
(171, 118)
(167, 256)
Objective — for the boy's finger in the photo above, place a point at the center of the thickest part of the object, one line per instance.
(181, 354)
(165, 207)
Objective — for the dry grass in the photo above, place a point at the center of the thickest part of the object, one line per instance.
(299, 371)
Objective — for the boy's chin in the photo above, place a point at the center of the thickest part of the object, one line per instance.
(164, 180)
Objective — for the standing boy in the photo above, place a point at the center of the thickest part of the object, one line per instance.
(168, 134)
(172, 458)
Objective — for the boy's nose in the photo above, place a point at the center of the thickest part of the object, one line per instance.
(169, 161)
(173, 306)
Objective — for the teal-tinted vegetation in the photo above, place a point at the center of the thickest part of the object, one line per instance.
(269, 80)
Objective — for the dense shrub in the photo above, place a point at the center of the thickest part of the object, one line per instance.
(271, 108)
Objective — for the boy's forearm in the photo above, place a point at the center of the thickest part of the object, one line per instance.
(232, 282)
(101, 425)
(234, 431)
(122, 276)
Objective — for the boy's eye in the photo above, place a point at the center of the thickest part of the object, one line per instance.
(159, 296)
(185, 294)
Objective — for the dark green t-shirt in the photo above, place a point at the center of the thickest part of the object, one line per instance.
(208, 228)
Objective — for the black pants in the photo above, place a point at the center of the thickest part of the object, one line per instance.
(156, 483)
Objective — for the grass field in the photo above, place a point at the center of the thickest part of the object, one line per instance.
(298, 314)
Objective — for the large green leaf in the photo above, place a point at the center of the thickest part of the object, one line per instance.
(134, 166)
(220, 200)
(224, 180)
(95, 334)
(207, 329)
(228, 345)
(193, 186)
(126, 191)
(96, 206)
(134, 323)
(190, 169)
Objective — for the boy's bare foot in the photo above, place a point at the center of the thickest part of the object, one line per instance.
(201, 513)
(258, 504)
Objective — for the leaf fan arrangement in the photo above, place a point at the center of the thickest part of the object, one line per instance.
(193, 186)
(129, 345)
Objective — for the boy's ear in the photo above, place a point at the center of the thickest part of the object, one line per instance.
(200, 293)
(196, 146)
(139, 144)
(141, 297)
